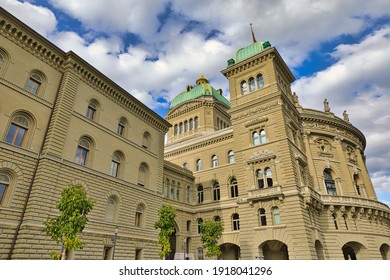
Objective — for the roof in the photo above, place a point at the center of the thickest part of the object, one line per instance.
(202, 88)
(249, 51)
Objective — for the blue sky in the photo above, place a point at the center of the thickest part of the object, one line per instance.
(337, 50)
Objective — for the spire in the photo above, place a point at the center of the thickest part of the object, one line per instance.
(253, 34)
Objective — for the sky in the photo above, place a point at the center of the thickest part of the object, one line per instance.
(339, 50)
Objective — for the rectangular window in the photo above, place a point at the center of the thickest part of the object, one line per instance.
(90, 113)
(81, 155)
(114, 168)
(15, 135)
(138, 219)
(120, 129)
(32, 86)
(3, 188)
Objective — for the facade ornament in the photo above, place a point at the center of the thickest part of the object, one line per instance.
(345, 116)
(296, 100)
(326, 106)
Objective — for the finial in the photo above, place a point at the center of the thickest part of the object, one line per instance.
(253, 34)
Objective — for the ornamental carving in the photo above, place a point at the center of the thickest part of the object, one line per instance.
(256, 121)
(325, 148)
(257, 110)
(261, 156)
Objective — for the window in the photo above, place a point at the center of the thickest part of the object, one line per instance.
(200, 253)
(115, 162)
(107, 252)
(334, 218)
(178, 192)
(138, 216)
(357, 187)
(91, 111)
(262, 217)
(17, 130)
(216, 192)
(345, 221)
(199, 165)
(143, 174)
(138, 254)
(260, 178)
(185, 126)
(252, 84)
(235, 222)
(263, 138)
(233, 187)
(200, 221)
(275, 215)
(329, 182)
(188, 225)
(34, 83)
(4, 60)
(4, 184)
(185, 165)
(121, 127)
(244, 87)
(200, 194)
(191, 124)
(260, 81)
(180, 128)
(268, 176)
(175, 129)
(196, 122)
(230, 157)
(173, 186)
(111, 209)
(167, 188)
(214, 161)
(146, 140)
(255, 138)
(188, 194)
(217, 219)
(82, 151)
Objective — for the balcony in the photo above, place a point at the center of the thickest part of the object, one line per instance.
(259, 194)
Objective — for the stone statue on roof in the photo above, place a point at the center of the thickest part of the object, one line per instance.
(326, 106)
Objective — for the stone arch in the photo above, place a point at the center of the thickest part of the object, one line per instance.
(353, 250)
(273, 250)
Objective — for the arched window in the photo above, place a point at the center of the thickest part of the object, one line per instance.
(329, 182)
(4, 60)
(255, 138)
(139, 216)
(4, 185)
(121, 127)
(199, 165)
(262, 217)
(173, 186)
(263, 138)
(252, 86)
(115, 163)
(111, 209)
(230, 157)
(200, 194)
(83, 151)
(188, 194)
(216, 191)
(143, 175)
(17, 130)
(146, 140)
(275, 215)
(260, 178)
(235, 222)
(214, 161)
(268, 176)
(175, 129)
(92, 109)
(191, 124)
(185, 126)
(196, 122)
(180, 128)
(199, 222)
(244, 87)
(217, 219)
(233, 187)
(260, 81)
(34, 82)
(185, 165)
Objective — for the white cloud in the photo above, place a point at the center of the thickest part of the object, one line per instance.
(39, 18)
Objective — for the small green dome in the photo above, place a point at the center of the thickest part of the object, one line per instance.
(249, 51)
(202, 88)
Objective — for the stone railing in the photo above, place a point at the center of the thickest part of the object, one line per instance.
(258, 194)
(354, 201)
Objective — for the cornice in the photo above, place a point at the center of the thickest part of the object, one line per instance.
(23, 36)
(178, 170)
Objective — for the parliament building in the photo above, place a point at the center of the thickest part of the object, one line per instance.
(286, 182)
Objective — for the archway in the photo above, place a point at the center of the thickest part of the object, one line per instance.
(273, 250)
(172, 241)
(229, 251)
(319, 250)
(385, 251)
(353, 251)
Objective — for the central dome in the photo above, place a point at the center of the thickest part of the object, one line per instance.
(202, 88)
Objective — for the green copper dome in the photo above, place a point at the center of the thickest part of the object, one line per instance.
(202, 88)
(249, 51)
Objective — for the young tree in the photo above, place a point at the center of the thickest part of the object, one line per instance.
(210, 232)
(166, 224)
(65, 229)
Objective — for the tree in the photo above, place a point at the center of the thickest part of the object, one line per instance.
(65, 229)
(166, 224)
(210, 232)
